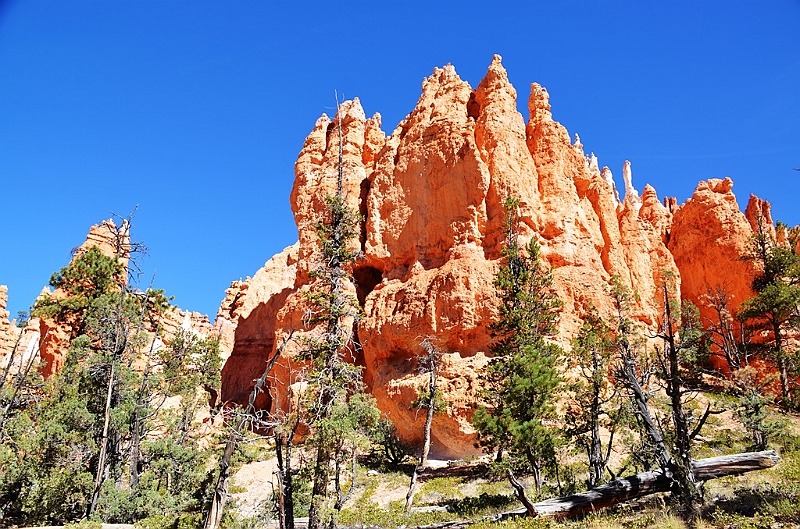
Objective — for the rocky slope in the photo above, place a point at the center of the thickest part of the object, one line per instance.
(432, 194)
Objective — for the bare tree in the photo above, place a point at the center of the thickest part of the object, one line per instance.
(679, 468)
(680, 334)
(592, 354)
(428, 364)
(726, 332)
(220, 497)
(634, 379)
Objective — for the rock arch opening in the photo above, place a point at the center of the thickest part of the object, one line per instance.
(366, 279)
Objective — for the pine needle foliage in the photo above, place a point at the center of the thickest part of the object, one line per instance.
(775, 308)
(522, 377)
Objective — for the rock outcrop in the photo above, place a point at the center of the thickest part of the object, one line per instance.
(9, 332)
(54, 336)
(432, 194)
(708, 238)
(251, 312)
(50, 340)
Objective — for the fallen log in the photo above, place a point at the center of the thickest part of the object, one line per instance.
(624, 489)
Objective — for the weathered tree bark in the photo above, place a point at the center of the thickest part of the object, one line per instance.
(284, 444)
(101, 460)
(140, 410)
(519, 490)
(433, 372)
(139, 415)
(412, 490)
(682, 475)
(117, 350)
(630, 378)
(620, 490)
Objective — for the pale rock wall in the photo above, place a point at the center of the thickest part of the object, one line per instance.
(251, 308)
(9, 332)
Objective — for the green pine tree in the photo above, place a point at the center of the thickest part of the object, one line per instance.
(522, 375)
(94, 440)
(775, 308)
(336, 407)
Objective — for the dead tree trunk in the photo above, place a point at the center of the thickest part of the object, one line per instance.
(623, 489)
(620, 490)
(101, 459)
(519, 490)
(220, 497)
(432, 365)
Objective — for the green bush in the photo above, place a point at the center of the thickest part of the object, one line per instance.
(482, 504)
(190, 521)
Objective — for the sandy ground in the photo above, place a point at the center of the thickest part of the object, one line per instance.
(258, 478)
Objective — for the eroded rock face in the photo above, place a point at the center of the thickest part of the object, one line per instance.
(432, 193)
(708, 238)
(50, 340)
(250, 310)
(55, 337)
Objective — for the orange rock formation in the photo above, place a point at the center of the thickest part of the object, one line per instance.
(708, 238)
(432, 193)
(50, 340)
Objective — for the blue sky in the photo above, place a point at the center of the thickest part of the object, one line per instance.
(196, 111)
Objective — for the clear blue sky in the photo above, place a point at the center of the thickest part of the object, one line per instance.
(195, 111)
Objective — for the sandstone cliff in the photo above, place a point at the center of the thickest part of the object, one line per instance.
(432, 194)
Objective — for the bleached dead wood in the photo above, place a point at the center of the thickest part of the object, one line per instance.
(624, 489)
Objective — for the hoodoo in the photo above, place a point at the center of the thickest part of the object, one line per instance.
(431, 194)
